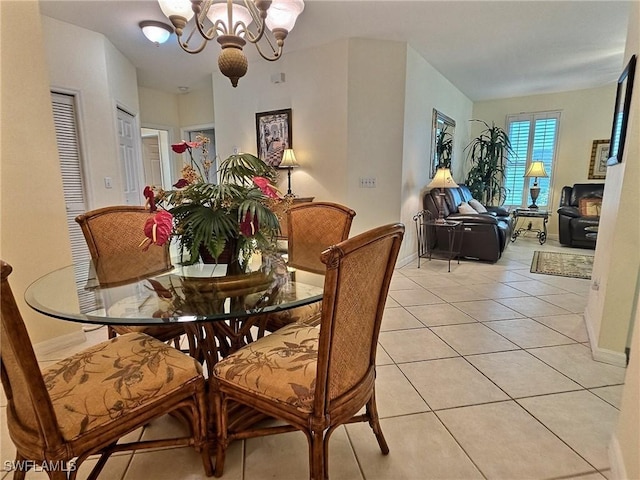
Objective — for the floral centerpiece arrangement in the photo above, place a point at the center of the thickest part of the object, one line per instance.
(235, 216)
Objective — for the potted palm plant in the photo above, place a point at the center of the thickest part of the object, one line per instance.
(235, 216)
(488, 154)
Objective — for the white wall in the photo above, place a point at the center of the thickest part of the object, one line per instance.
(84, 63)
(375, 124)
(34, 237)
(426, 89)
(586, 116)
(625, 443)
(315, 88)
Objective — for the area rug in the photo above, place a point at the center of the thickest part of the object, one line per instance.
(562, 264)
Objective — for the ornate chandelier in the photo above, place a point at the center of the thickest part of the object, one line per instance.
(229, 24)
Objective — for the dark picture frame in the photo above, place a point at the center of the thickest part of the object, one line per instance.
(599, 159)
(621, 112)
(273, 135)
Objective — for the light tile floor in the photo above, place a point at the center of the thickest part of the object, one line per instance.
(484, 372)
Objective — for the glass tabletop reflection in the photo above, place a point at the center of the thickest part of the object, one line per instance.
(195, 293)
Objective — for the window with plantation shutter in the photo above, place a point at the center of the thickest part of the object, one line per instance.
(65, 121)
(533, 137)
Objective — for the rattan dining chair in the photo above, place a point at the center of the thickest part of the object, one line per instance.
(84, 404)
(113, 235)
(316, 379)
(312, 227)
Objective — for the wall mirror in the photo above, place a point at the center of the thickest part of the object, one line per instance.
(442, 131)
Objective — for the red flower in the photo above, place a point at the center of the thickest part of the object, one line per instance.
(181, 183)
(184, 146)
(151, 198)
(265, 186)
(157, 229)
(249, 226)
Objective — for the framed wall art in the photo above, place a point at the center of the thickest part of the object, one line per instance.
(599, 159)
(273, 134)
(621, 112)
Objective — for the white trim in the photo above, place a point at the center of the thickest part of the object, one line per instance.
(53, 345)
(193, 128)
(616, 460)
(407, 260)
(603, 355)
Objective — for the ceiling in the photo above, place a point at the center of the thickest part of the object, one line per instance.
(487, 49)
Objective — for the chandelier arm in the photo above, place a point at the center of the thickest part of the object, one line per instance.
(276, 53)
(259, 19)
(199, 19)
(185, 45)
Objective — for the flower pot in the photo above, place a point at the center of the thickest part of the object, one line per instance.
(228, 256)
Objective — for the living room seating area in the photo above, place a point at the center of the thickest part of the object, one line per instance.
(487, 230)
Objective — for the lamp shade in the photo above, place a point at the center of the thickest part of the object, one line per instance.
(283, 14)
(536, 169)
(156, 32)
(288, 159)
(178, 8)
(220, 12)
(442, 179)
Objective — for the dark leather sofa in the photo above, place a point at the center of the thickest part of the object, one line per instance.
(485, 236)
(573, 219)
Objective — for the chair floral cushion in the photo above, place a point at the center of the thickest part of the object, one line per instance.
(280, 366)
(114, 378)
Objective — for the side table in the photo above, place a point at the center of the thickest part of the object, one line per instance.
(428, 238)
(520, 227)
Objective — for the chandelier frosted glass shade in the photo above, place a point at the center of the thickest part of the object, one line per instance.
(265, 23)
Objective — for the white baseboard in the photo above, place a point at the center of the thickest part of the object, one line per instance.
(599, 354)
(401, 262)
(57, 343)
(616, 460)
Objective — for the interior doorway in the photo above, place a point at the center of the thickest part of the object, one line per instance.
(158, 169)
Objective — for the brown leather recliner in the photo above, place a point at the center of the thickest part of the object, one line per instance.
(485, 236)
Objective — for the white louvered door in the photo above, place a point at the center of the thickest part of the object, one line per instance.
(65, 120)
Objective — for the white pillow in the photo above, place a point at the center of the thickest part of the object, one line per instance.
(477, 206)
(466, 209)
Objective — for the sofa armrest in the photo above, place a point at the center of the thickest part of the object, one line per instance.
(499, 211)
(569, 212)
(474, 218)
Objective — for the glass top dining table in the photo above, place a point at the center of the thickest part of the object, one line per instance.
(220, 313)
(194, 293)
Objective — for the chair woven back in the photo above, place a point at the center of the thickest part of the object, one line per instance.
(115, 233)
(312, 228)
(357, 279)
(33, 422)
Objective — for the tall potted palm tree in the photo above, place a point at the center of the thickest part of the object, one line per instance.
(488, 155)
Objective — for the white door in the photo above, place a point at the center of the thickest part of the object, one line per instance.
(128, 138)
